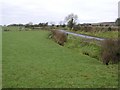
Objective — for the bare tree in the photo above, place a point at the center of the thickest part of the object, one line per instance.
(71, 20)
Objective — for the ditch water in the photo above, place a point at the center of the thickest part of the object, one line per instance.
(84, 36)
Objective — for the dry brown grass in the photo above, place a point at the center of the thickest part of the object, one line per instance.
(110, 51)
(98, 28)
(59, 36)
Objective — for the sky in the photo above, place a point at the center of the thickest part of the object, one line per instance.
(55, 11)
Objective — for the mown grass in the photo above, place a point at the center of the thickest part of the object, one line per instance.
(31, 60)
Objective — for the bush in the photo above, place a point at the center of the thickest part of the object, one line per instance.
(59, 36)
(110, 51)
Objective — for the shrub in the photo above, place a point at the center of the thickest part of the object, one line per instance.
(59, 36)
(110, 51)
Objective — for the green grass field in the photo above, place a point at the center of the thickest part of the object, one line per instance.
(31, 60)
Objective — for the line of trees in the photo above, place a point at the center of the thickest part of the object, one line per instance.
(70, 23)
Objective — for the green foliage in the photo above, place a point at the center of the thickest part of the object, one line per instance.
(84, 46)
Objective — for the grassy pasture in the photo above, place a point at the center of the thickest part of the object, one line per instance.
(31, 60)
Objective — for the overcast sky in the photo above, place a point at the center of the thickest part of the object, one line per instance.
(36, 11)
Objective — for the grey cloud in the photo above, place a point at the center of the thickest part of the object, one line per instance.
(23, 11)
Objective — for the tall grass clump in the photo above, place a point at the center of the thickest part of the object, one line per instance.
(110, 51)
(58, 36)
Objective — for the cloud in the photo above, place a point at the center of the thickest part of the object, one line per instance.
(36, 11)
